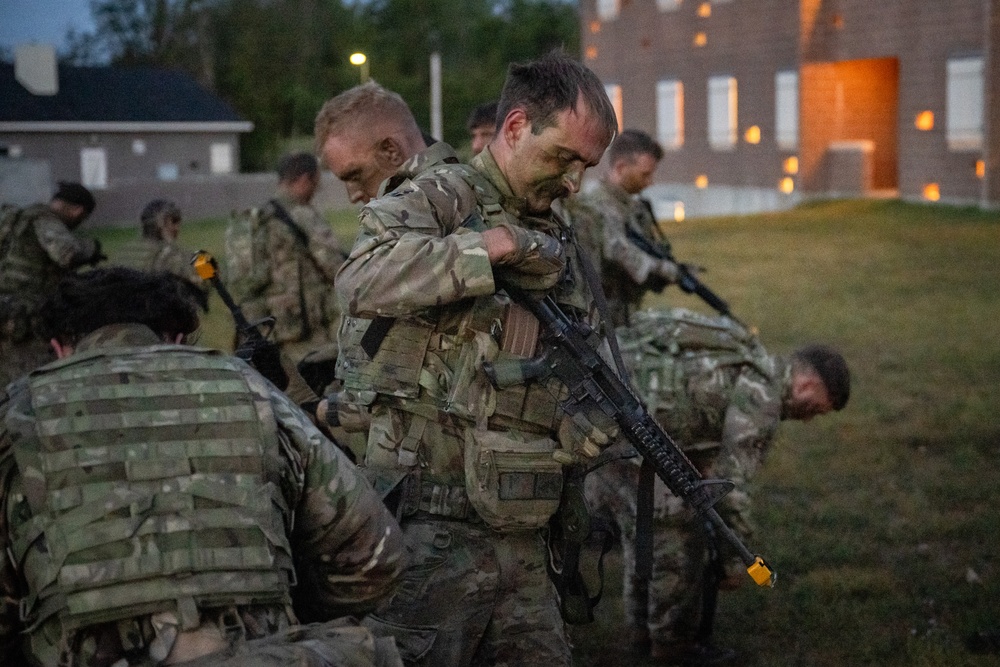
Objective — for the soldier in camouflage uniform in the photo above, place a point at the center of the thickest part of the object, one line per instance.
(473, 471)
(159, 501)
(607, 213)
(482, 125)
(156, 248)
(721, 396)
(38, 248)
(298, 256)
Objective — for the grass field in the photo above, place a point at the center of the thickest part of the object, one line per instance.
(881, 521)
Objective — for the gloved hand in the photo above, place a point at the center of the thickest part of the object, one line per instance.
(582, 437)
(98, 256)
(536, 263)
(666, 270)
(266, 358)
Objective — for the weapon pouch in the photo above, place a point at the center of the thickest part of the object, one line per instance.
(513, 483)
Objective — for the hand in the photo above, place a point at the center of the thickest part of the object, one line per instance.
(530, 251)
(667, 270)
(582, 439)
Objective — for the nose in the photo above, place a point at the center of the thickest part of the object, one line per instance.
(355, 193)
(572, 179)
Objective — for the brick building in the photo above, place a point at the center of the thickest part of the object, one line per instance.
(789, 97)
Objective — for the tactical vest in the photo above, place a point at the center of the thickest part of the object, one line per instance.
(144, 254)
(26, 270)
(152, 478)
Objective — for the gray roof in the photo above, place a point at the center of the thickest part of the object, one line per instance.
(115, 95)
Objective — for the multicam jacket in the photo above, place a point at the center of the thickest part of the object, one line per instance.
(150, 254)
(299, 290)
(606, 211)
(420, 265)
(713, 388)
(177, 478)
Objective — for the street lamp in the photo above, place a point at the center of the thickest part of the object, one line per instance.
(361, 60)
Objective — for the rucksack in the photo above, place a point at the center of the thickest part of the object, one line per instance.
(8, 220)
(247, 269)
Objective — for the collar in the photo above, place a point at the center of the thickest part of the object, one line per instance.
(616, 191)
(434, 155)
(486, 165)
(118, 335)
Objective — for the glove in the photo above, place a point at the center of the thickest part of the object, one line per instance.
(98, 256)
(535, 252)
(582, 439)
(266, 358)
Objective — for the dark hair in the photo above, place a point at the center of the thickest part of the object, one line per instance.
(632, 143)
(832, 369)
(484, 114)
(76, 194)
(551, 84)
(153, 212)
(293, 165)
(84, 302)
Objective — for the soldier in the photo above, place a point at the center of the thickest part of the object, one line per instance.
(482, 125)
(37, 248)
(721, 396)
(159, 501)
(297, 256)
(474, 471)
(610, 211)
(156, 248)
(365, 134)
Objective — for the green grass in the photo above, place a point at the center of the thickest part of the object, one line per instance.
(871, 516)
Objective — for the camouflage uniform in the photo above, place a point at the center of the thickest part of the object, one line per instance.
(601, 216)
(720, 397)
(476, 591)
(38, 252)
(154, 497)
(152, 254)
(299, 284)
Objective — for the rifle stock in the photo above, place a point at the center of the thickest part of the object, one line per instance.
(574, 360)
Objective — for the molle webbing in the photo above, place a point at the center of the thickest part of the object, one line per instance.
(153, 488)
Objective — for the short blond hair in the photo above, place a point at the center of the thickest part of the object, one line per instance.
(370, 104)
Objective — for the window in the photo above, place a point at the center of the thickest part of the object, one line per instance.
(138, 147)
(668, 5)
(614, 92)
(722, 112)
(786, 110)
(670, 114)
(167, 171)
(221, 159)
(607, 9)
(964, 110)
(94, 168)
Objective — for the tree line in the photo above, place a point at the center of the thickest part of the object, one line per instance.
(277, 61)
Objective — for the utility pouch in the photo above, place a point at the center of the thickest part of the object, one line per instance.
(513, 484)
(394, 369)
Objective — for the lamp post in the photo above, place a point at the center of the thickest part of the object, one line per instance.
(361, 60)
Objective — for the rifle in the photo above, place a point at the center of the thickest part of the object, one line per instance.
(687, 280)
(571, 356)
(252, 346)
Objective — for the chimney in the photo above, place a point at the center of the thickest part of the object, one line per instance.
(35, 68)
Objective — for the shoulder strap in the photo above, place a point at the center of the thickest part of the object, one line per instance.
(285, 217)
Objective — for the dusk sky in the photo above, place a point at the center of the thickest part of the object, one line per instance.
(45, 21)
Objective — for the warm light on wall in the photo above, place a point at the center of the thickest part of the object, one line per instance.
(701, 181)
(791, 165)
(700, 39)
(787, 185)
(705, 10)
(924, 120)
(980, 169)
(595, 27)
(932, 192)
(678, 211)
(591, 52)
(752, 135)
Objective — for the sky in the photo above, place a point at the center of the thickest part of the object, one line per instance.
(43, 21)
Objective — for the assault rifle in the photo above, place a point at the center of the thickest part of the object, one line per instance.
(251, 345)
(571, 356)
(687, 280)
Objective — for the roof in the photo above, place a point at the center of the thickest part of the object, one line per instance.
(116, 96)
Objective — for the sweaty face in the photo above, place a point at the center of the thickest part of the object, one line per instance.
(550, 164)
(809, 398)
(636, 174)
(355, 160)
(481, 137)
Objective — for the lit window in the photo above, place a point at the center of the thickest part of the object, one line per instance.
(670, 114)
(752, 135)
(700, 39)
(932, 192)
(668, 5)
(787, 185)
(980, 169)
(595, 27)
(678, 211)
(614, 92)
(701, 181)
(722, 112)
(138, 147)
(705, 10)
(220, 158)
(167, 171)
(607, 9)
(786, 110)
(924, 121)
(964, 111)
(591, 52)
(791, 165)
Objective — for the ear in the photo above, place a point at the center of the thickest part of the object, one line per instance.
(391, 151)
(514, 125)
(62, 351)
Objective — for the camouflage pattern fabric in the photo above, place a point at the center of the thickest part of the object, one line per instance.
(149, 254)
(299, 284)
(347, 548)
(722, 404)
(39, 251)
(420, 258)
(603, 213)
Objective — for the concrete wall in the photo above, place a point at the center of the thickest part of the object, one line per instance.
(24, 182)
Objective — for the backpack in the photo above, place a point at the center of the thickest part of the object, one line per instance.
(247, 270)
(8, 220)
